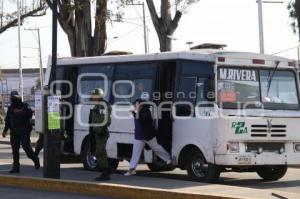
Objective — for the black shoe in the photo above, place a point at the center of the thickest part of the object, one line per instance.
(104, 176)
(15, 169)
(37, 164)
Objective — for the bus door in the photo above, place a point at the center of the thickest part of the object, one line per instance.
(67, 78)
(191, 101)
(165, 86)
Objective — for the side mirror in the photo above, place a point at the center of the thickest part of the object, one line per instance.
(209, 90)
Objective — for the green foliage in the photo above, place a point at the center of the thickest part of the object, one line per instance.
(294, 13)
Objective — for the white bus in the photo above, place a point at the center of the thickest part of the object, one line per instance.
(215, 111)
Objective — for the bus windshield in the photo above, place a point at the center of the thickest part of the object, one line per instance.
(257, 88)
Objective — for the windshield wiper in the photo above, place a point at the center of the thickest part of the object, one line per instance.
(270, 78)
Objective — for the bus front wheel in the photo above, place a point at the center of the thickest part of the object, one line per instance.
(199, 170)
(272, 173)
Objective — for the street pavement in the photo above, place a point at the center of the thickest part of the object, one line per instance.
(173, 180)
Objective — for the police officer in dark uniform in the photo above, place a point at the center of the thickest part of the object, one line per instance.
(17, 120)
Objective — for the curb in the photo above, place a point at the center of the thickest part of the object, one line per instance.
(101, 189)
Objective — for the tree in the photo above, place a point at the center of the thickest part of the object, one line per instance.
(165, 25)
(294, 9)
(75, 18)
(8, 20)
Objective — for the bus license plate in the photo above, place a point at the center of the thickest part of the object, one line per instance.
(244, 160)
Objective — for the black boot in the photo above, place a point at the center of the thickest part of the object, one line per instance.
(37, 163)
(15, 169)
(105, 175)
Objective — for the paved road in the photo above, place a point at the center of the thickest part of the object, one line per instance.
(17, 193)
(290, 183)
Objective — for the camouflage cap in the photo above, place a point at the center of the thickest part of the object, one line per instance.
(99, 92)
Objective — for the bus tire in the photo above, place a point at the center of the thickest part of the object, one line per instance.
(156, 168)
(89, 161)
(272, 173)
(199, 170)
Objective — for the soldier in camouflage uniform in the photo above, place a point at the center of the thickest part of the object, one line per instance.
(99, 119)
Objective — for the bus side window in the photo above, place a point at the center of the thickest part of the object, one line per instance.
(123, 91)
(186, 94)
(91, 80)
(133, 81)
(194, 90)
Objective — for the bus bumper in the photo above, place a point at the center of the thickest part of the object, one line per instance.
(251, 159)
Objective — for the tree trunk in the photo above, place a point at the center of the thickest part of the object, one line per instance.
(100, 37)
(165, 42)
(77, 24)
(83, 29)
(164, 25)
(297, 10)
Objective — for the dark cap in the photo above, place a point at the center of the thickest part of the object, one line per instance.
(14, 94)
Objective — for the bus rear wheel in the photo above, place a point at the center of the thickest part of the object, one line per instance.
(89, 160)
(272, 173)
(199, 170)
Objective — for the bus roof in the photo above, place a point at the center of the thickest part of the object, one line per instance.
(219, 57)
(197, 55)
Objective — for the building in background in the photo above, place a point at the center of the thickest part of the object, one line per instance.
(9, 80)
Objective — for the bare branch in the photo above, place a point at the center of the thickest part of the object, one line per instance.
(176, 20)
(50, 4)
(40, 11)
(153, 13)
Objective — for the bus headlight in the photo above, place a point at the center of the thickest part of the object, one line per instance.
(233, 147)
(297, 147)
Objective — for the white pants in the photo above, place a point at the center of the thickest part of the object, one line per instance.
(138, 146)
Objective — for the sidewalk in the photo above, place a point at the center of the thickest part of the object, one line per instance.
(76, 180)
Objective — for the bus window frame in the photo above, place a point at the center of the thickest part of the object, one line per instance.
(131, 78)
(181, 75)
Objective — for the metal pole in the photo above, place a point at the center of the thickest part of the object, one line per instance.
(148, 45)
(40, 55)
(41, 62)
(298, 53)
(261, 27)
(54, 39)
(144, 24)
(2, 13)
(145, 30)
(52, 138)
(21, 87)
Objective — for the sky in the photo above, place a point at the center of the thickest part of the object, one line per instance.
(230, 22)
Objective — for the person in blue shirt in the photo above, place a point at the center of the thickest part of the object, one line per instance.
(144, 133)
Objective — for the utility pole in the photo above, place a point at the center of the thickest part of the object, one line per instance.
(261, 29)
(40, 55)
(144, 24)
(2, 10)
(21, 86)
(261, 25)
